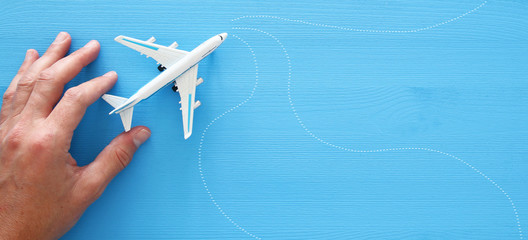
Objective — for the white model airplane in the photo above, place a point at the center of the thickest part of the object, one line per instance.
(177, 66)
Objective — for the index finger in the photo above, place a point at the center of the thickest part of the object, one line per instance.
(71, 108)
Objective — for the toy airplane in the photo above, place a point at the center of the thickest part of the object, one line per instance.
(177, 66)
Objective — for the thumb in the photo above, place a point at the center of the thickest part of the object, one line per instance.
(114, 158)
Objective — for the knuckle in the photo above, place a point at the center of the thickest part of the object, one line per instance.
(43, 142)
(74, 94)
(55, 47)
(79, 56)
(26, 82)
(122, 157)
(46, 75)
(8, 95)
(14, 138)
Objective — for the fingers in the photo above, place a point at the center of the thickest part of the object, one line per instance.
(114, 158)
(31, 56)
(71, 108)
(50, 82)
(25, 84)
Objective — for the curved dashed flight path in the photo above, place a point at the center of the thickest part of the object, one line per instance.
(292, 107)
(365, 30)
(200, 147)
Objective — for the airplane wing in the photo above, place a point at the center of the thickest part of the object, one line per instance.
(186, 84)
(166, 56)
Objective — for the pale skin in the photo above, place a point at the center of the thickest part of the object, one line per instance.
(42, 190)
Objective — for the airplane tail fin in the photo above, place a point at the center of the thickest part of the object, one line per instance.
(126, 118)
(126, 115)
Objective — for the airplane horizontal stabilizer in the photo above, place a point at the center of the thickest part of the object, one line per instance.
(115, 101)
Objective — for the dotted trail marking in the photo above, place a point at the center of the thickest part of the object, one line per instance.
(292, 107)
(516, 214)
(200, 147)
(365, 30)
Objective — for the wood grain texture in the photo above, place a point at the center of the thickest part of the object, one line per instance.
(298, 109)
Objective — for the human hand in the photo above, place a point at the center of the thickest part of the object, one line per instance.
(42, 190)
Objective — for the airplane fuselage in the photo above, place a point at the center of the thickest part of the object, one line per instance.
(172, 72)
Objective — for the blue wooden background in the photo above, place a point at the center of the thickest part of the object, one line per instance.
(320, 119)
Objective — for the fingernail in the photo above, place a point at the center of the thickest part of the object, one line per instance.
(90, 44)
(60, 37)
(28, 52)
(110, 74)
(141, 136)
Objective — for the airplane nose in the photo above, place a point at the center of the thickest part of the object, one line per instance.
(223, 36)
